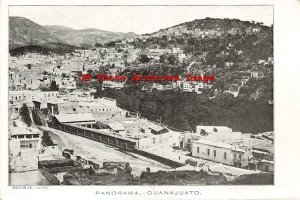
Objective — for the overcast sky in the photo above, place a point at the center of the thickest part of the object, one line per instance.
(137, 19)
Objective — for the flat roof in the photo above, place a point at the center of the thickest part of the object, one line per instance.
(156, 127)
(102, 132)
(219, 144)
(64, 118)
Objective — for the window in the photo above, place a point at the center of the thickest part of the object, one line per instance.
(74, 109)
(215, 153)
(234, 155)
(225, 155)
(240, 156)
(153, 140)
(198, 150)
(208, 151)
(266, 168)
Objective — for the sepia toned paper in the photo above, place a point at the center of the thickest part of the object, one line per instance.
(153, 101)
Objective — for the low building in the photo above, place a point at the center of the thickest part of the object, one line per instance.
(85, 119)
(150, 140)
(114, 126)
(157, 130)
(186, 139)
(23, 139)
(266, 165)
(221, 152)
(210, 129)
(24, 143)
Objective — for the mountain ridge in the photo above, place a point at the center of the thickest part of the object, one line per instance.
(24, 32)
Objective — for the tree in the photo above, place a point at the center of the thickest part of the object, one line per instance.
(144, 58)
(164, 37)
(172, 59)
(110, 44)
(98, 45)
(191, 41)
(98, 93)
(53, 86)
(162, 58)
(46, 139)
(25, 115)
(37, 119)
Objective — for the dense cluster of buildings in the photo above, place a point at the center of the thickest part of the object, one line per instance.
(197, 32)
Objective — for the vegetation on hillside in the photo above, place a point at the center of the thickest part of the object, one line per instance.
(25, 115)
(185, 111)
(44, 49)
(46, 139)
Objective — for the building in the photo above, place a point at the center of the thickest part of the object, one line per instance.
(68, 106)
(112, 84)
(23, 139)
(155, 137)
(24, 143)
(211, 129)
(266, 165)
(186, 139)
(221, 152)
(114, 126)
(254, 74)
(85, 119)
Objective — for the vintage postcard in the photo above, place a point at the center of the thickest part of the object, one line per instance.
(122, 98)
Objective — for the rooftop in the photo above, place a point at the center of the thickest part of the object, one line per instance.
(156, 127)
(116, 126)
(67, 118)
(219, 144)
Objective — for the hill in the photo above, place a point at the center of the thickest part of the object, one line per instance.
(87, 37)
(219, 39)
(23, 32)
(223, 48)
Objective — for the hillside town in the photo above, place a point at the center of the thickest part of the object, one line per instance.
(78, 132)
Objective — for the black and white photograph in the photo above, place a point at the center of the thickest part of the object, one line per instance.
(141, 95)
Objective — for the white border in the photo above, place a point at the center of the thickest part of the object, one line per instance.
(286, 98)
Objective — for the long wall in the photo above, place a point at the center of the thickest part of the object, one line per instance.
(116, 141)
(95, 135)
